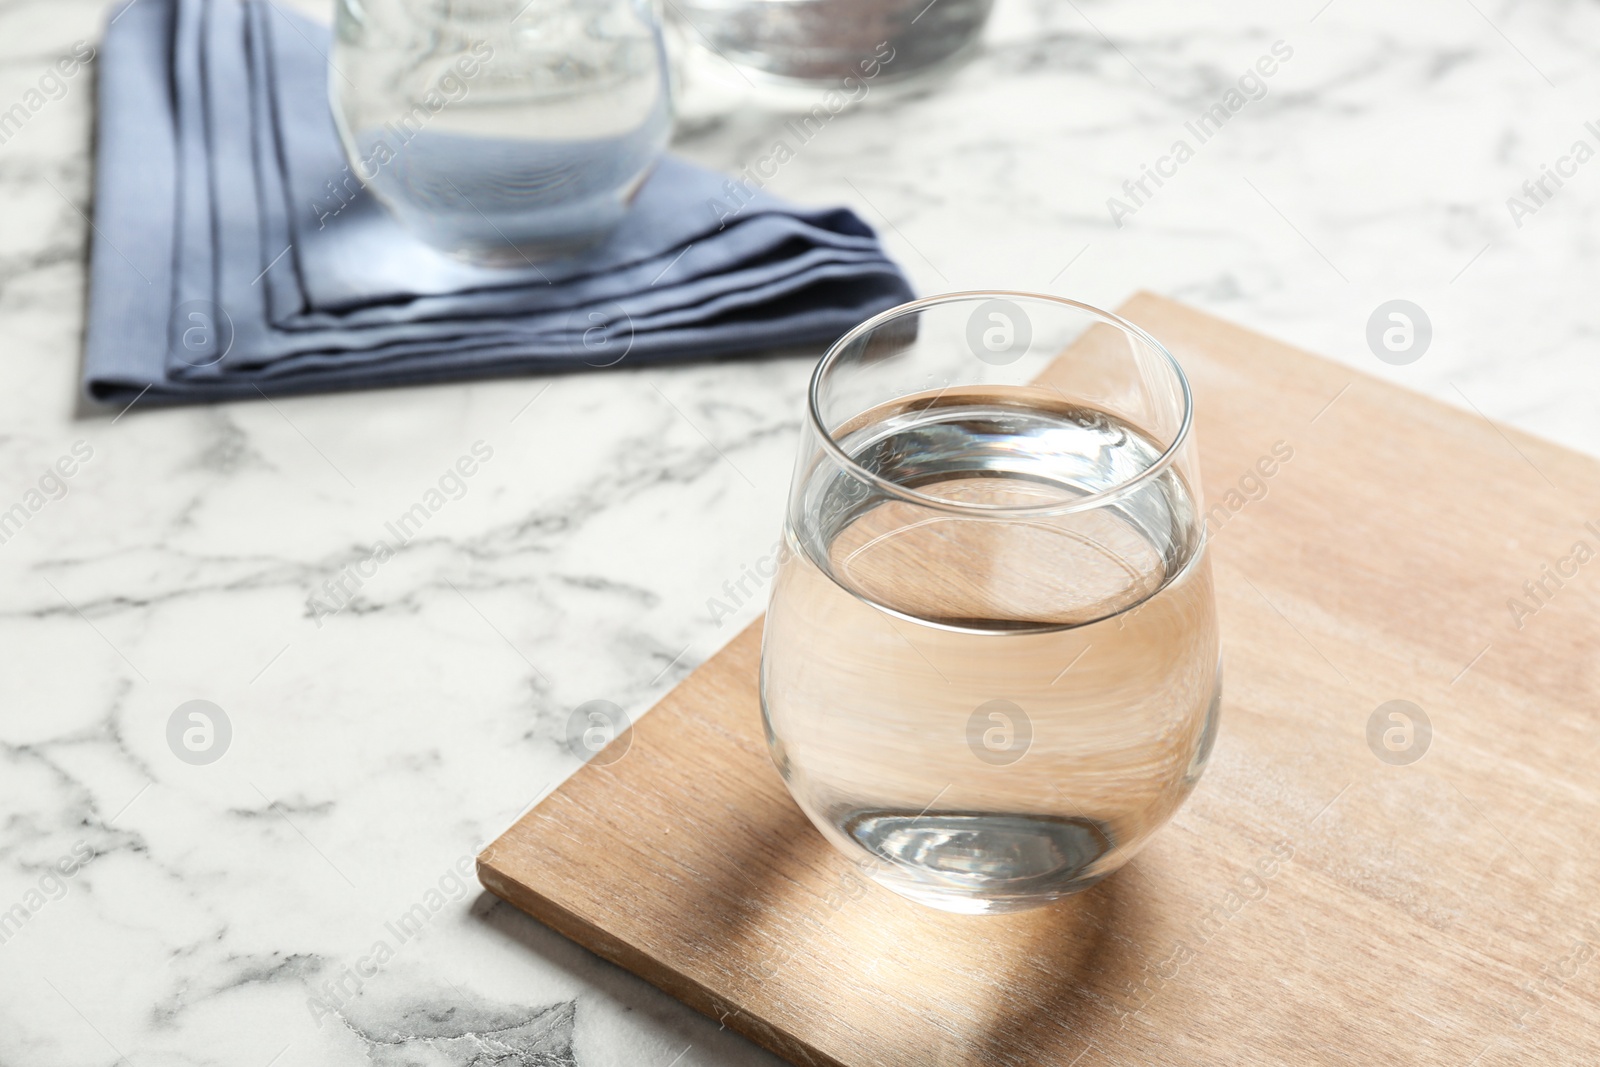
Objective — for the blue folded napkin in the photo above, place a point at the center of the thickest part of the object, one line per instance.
(235, 254)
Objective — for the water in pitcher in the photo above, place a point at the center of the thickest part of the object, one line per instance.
(991, 712)
(826, 40)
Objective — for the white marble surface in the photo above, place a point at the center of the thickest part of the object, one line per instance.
(370, 753)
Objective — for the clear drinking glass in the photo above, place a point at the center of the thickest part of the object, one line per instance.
(502, 131)
(991, 668)
(825, 41)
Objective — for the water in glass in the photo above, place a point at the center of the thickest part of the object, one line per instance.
(501, 131)
(994, 703)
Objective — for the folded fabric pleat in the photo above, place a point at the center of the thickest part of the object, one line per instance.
(234, 253)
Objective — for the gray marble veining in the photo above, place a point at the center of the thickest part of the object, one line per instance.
(301, 900)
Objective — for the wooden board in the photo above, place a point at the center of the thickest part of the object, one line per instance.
(1311, 903)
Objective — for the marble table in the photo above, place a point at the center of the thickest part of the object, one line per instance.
(385, 722)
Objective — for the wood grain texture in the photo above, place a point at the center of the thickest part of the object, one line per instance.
(1310, 903)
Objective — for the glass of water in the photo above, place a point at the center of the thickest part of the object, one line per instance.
(991, 667)
(502, 131)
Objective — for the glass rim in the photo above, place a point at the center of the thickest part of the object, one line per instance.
(1098, 498)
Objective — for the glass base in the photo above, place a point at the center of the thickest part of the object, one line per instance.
(512, 254)
(715, 84)
(981, 863)
(958, 904)
(715, 79)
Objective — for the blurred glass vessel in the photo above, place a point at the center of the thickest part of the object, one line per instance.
(824, 41)
(991, 664)
(501, 131)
